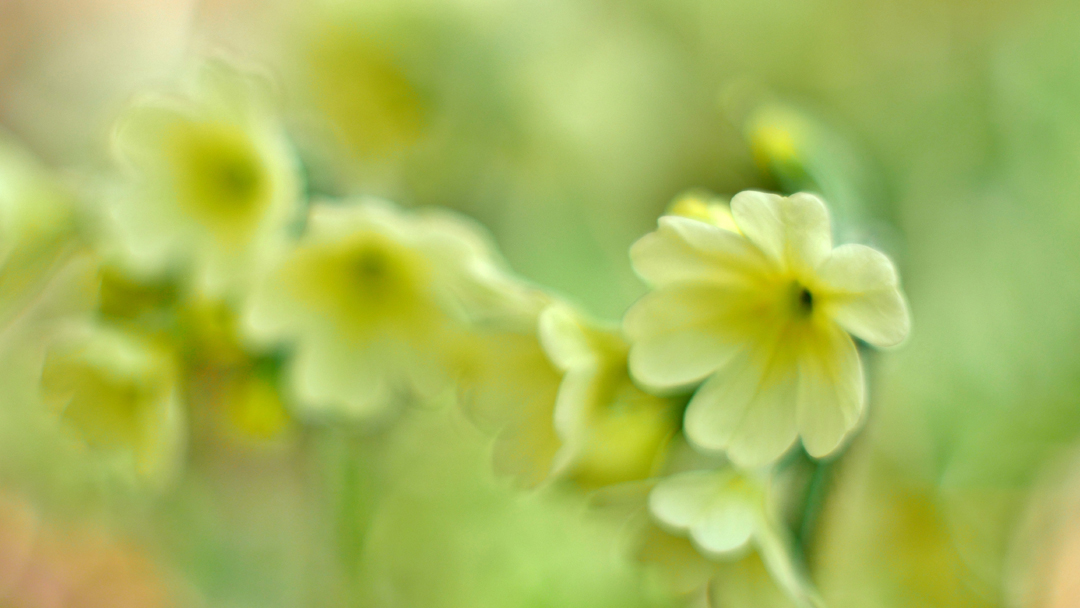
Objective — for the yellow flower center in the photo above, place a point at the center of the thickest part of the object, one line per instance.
(367, 282)
(106, 407)
(219, 175)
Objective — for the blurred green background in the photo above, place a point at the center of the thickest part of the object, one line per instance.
(945, 132)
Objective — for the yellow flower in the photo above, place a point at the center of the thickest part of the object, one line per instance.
(507, 385)
(233, 396)
(371, 297)
(120, 394)
(359, 70)
(213, 179)
(38, 243)
(700, 205)
(726, 512)
(762, 316)
(611, 431)
(721, 510)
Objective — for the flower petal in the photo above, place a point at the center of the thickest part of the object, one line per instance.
(679, 335)
(327, 379)
(681, 501)
(794, 232)
(718, 511)
(727, 526)
(563, 338)
(831, 394)
(682, 249)
(863, 295)
(747, 407)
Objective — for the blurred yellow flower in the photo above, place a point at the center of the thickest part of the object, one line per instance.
(371, 297)
(611, 431)
(213, 179)
(721, 510)
(37, 235)
(762, 316)
(233, 396)
(726, 512)
(120, 394)
(508, 386)
(699, 205)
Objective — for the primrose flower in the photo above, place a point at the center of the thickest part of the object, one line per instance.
(370, 297)
(703, 206)
(37, 238)
(213, 179)
(120, 395)
(762, 315)
(726, 512)
(721, 510)
(611, 431)
(506, 383)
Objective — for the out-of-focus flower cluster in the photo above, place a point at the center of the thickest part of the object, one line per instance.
(223, 306)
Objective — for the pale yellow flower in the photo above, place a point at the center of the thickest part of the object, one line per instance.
(721, 510)
(120, 394)
(726, 513)
(611, 431)
(700, 205)
(213, 180)
(371, 298)
(38, 243)
(507, 385)
(762, 316)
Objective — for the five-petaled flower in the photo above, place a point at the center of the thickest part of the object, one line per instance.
(762, 316)
(372, 299)
(212, 179)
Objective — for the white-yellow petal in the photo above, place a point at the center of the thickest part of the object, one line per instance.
(728, 526)
(831, 393)
(794, 232)
(747, 408)
(680, 501)
(329, 380)
(564, 339)
(686, 250)
(719, 512)
(862, 294)
(678, 334)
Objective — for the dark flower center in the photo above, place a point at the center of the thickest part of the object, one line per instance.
(802, 300)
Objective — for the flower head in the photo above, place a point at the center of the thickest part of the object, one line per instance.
(213, 178)
(721, 510)
(726, 513)
(506, 383)
(611, 430)
(119, 394)
(370, 297)
(762, 315)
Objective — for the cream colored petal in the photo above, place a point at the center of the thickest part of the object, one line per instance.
(680, 334)
(747, 408)
(682, 249)
(719, 518)
(151, 120)
(574, 403)
(511, 389)
(831, 393)
(862, 294)
(794, 232)
(681, 501)
(563, 338)
(727, 527)
(329, 380)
